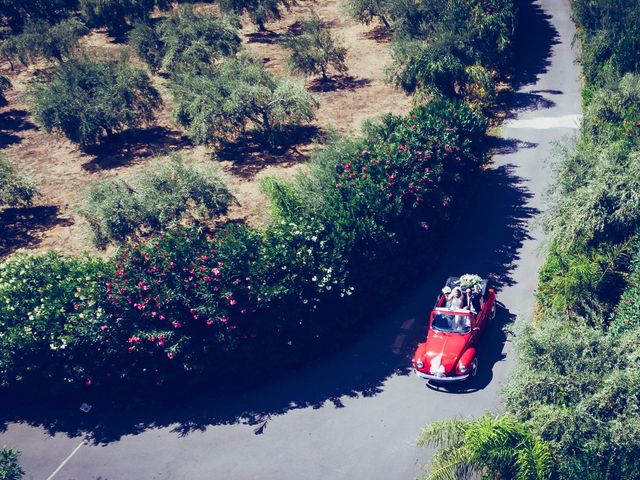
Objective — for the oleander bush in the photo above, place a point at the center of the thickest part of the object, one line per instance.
(163, 192)
(51, 318)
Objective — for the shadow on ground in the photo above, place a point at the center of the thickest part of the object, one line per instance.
(13, 121)
(346, 83)
(251, 152)
(487, 240)
(20, 227)
(134, 143)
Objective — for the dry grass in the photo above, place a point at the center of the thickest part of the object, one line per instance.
(62, 170)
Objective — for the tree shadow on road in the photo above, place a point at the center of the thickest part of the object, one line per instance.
(486, 243)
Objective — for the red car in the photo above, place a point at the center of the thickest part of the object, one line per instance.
(455, 327)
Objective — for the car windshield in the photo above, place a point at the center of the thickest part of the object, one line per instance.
(450, 322)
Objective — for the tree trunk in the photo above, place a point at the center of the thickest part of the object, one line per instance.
(385, 22)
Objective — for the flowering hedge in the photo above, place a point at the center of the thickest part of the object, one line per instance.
(205, 300)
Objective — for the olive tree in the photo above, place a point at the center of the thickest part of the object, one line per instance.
(240, 92)
(315, 49)
(161, 193)
(86, 99)
(41, 40)
(118, 15)
(260, 11)
(186, 41)
(5, 84)
(14, 188)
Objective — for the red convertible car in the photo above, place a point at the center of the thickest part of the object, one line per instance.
(455, 327)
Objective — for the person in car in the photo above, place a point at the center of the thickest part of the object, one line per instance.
(455, 300)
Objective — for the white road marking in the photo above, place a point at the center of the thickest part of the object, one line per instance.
(64, 462)
(543, 123)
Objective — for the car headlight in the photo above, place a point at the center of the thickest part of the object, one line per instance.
(462, 369)
(419, 364)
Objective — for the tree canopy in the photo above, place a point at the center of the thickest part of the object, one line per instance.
(315, 49)
(86, 99)
(15, 189)
(186, 41)
(260, 11)
(239, 92)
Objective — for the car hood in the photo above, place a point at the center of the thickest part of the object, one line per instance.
(442, 351)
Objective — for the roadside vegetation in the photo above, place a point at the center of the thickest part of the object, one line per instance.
(190, 295)
(576, 386)
(10, 469)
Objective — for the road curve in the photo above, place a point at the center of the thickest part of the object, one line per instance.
(355, 415)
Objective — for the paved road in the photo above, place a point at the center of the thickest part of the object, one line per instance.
(355, 415)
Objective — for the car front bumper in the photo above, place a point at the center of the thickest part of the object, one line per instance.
(436, 378)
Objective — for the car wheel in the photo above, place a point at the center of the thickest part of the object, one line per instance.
(474, 368)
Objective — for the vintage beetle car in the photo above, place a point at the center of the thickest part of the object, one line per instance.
(449, 352)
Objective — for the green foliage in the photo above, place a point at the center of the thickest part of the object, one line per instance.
(118, 15)
(9, 467)
(260, 11)
(238, 93)
(579, 390)
(627, 312)
(41, 40)
(366, 10)
(5, 84)
(51, 311)
(187, 41)
(314, 50)
(440, 40)
(17, 13)
(158, 195)
(14, 188)
(494, 448)
(87, 98)
(609, 33)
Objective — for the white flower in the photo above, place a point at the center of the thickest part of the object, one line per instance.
(446, 290)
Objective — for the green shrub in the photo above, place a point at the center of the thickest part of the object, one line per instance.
(9, 467)
(187, 41)
(17, 13)
(238, 93)
(14, 188)
(51, 318)
(627, 313)
(41, 40)
(260, 11)
(158, 195)
(315, 49)
(86, 99)
(118, 15)
(5, 84)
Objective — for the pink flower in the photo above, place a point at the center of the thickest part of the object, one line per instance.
(171, 355)
(176, 324)
(209, 322)
(216, 272)
(445, 203)
(88, 382)
(151, 338)
(206, 278)
(131, 349)
(243, 311)
(161, 336)
(161, 343)
(224, 319)
(162, 318)
(232, 302)
(103, 327)
(134, 339)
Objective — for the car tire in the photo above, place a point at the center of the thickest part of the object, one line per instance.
(474, 368)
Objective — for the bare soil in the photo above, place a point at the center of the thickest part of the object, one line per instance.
(62, 170)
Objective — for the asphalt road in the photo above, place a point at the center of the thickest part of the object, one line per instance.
(356, 414)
